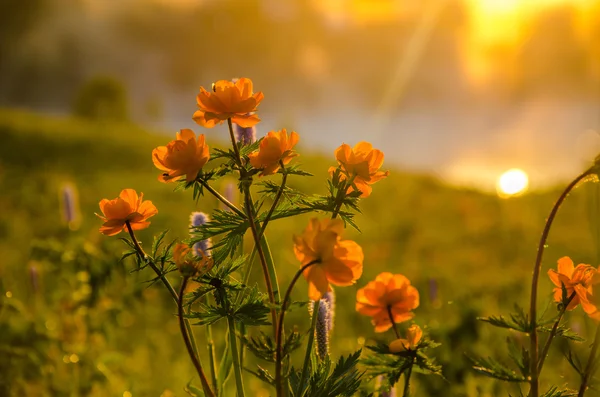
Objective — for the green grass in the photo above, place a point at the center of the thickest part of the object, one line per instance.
(478, 249)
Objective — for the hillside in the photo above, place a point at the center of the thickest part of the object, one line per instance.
(468, 253)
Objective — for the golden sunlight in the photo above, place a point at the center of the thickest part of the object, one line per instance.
(512, 182)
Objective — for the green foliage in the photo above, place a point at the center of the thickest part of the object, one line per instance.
(343, 380)
(518, 321)
(558, 392)
(428, 231)
(393, 365)
(494, 369)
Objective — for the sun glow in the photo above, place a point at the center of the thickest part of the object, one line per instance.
(512, 182)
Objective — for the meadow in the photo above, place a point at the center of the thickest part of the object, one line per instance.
(75, 320)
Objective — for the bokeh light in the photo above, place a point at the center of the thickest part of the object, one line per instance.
(512, 182)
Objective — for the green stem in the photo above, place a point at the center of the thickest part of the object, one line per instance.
(165, 282)
(261, 255)
(237, 368)
(279, 337)
(234, 143)
(211, 354)
(309, 346)
(275, 201)
(533, 335)
(590, 363)
(249, 207)
(553, 332)
(394, 326)
(406, 391)
(222, 199)
(339, 198)
(188, 342)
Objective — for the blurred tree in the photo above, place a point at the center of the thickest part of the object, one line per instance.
(16, 19)
(102, 98)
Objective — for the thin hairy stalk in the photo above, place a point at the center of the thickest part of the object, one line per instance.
(406, 391)
(533, 335)
(309, 346)
(212, 360)
(275, 201)
(237, 368)
(234, 143)
(162, 278)
(261, 256)
(253, 227)
(188, 342)
(222, 199)
(246, 277)
(279, 337)
(553, 332)
(394, 326)
(590, 364)
(339, 198)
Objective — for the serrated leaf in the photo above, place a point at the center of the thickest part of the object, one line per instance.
(494, 369)
(262, 374)
(556, 392)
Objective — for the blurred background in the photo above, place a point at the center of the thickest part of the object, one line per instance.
(455, 92)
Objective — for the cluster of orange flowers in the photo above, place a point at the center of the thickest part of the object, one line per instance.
(389, 299)
(579, 285)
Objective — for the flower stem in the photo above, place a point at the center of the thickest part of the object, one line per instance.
(533, 336)
(261, 255)
(275, 201)
(311, 339)
(188, 342)
(237, 369)
(211, 354)
(587, 374)
(175, 297)
(553, 332)
(339, 198)
(406, 391)
(234, 143)
(249, 208)
(222, 199)
(279, 336)
(389, 310)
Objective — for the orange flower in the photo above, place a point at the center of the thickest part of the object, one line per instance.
(575, 279)
(229, 99)
(190, 265)
(340, 262)
(275, 147)
(128, 207)
(183, 156)
(361, 163)
(413, 337)
(388, 293)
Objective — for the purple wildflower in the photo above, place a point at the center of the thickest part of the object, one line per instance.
(246, 136)
(70, 213)
(204, 246)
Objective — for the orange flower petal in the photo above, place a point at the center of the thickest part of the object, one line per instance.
(565, 266)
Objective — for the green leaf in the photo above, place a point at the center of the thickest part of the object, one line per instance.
(262, 374)
(520, 357)
(252, 310)
(556, 392)
(193, 390)
(344, 380)
(518, 321)
(494, 369)
(157, 242)
(564, 332)
(574, 361)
